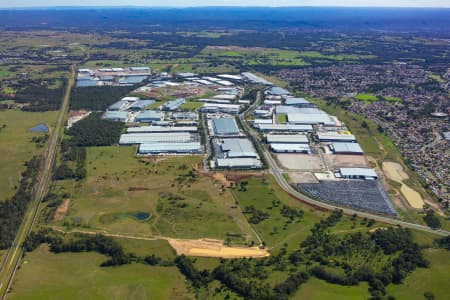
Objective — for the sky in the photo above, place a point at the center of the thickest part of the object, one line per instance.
(190, 3)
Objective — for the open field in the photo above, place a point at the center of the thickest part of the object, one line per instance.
(366, 97)
(316, 289)
(191, 105)
(299, 161)
(45, 275)
(16, 146)
(433, 279)
(152, 197)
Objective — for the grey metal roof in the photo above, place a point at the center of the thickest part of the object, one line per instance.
(256, 79)
(149, 115)
(174, 104)
(297, 101)
(346, 148)
(141, 104)
(238, 163)
(118, 105)
(238, 148)
(225, 126)
(335, 136)
(132, 79)
(115, 115)
(284, 127)
(278, 91)
(287, 138)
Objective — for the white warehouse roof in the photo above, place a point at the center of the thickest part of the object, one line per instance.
(193, 147)
(335, 136)
(162, 129)
(287, 138)
(307, 118)
(290, 148)
(358, 172)
(148, 138)
(238, 148)
(284, 127)
(238, 163)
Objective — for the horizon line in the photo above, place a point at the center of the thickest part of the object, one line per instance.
(211, 6)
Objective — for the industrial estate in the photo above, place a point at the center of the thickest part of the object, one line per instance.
(224, 153)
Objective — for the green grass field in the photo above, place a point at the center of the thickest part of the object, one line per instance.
(366, 97)
(316, 289)
(177, 206)
(281, 118)
(191, 105)
(16, 146)
(45, 275)
(433, 279)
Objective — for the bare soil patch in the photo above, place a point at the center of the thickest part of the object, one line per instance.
(61, 210)
(214, 248)
(304, 162)
(346, 161)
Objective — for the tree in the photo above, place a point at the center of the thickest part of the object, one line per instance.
(431, 219)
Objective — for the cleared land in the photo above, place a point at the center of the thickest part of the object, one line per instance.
(16, 146)
(44, 275)
(151, 197)
(299, 161)
(214, 248)
(342, 161)
(395, 172)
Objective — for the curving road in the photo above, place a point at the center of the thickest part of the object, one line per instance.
(278, 174)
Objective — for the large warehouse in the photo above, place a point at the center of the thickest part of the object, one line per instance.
(223, 108)
(118, 116)
(141, 105)
(238, 148)
(290, 148)
(356, 173)
(346, 148)
(149, 116)
(167, 129)
(158, 137)
(284, 128)
(332, 136)
(225, 127)
(173, 105)
(175, 148)
(287, 138)
(311, 119)
(238, 163)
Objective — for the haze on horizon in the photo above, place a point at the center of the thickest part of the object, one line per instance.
(187, 3)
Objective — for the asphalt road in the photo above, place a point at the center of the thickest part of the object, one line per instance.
(15, 252)
(278, 174)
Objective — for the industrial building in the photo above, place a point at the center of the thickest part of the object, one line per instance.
(300, 102)
(238, 163)
(346, 148)
(277, 91)
(235, 147)
(284, 128)
(173, 105)
(225, 97)
(230, 77)
(170, 148)
(287, 138)
(140, 105)
(356, 173)
(119, 105)
(156, 137)
(225, 127)
(256, 79)
(149, 116)
(167, 129)
(185, 116)
(118, 116)
(290, 148)
(311, 119)
(220, 108)
(333, 136)
(262, 121)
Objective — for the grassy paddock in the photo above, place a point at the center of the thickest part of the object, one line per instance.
(45, 275)
(316, 289)
(16, 146)
(119, 185)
